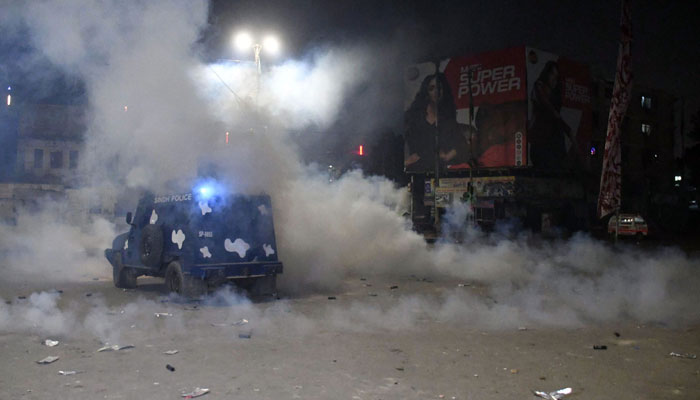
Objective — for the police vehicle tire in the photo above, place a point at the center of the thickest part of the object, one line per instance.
(177, 282)
(151, 246)
(124, 277)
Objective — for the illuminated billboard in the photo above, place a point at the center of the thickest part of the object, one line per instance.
(490, 110)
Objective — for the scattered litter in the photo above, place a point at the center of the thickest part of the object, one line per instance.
(47, 360)
(88, 294)
(65, 373)
(617, 334)
(195, 393)
(170, 368)
(367, 285)
(244, 335)
(115, 347)
(163, 314)
(683, 355)
(50, 343)
(600, 347)
(522, 328)
(514, 371)
(557, 395)
(331, 297)
(463, 284)
(394, 287)
(170, 352)
(240, 322)
(399, 369)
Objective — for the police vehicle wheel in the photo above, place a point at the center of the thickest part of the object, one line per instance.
(151, 245)
(124, 277)
(174, 278)
(264, 286)
(184, 285)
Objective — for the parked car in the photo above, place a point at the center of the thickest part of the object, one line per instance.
(630, 225)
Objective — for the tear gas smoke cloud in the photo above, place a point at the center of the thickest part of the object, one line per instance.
(144, 56)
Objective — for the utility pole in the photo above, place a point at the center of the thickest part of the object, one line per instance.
(438, 89)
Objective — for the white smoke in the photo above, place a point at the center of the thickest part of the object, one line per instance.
(143, 56)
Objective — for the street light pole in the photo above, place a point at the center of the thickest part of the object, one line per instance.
(256, 49)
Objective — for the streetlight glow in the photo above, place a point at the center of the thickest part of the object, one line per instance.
(243, 41)
(271, 45)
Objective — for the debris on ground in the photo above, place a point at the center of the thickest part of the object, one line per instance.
(245, 335)
(88, 294)
(170, 352)
(522, 328)
(514, 371)
(617, 334)
(169, 367)
(394, 287)
(191, 308)
(50, 343)
(683, 355)
(363, 279)
(65, 373)
(240, 322)
(115, 347)
(372, 294)
(163, 315)
(331, 297)
(463, 284)
(195, 393)
(557, 395)
(47, 360)
(600, 347)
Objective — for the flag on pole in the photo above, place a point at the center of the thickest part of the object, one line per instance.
(609, 197)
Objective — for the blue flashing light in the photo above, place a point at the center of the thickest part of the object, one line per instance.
(207, 189)
(592, 150)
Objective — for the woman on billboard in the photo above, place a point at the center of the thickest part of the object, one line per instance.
(548, 130)
(433, 105)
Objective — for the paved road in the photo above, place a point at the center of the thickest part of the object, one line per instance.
(371, 341)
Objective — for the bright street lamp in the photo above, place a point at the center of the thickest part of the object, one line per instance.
(244, 41)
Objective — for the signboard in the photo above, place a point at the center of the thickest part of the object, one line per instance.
(559, 111)
(491, 110)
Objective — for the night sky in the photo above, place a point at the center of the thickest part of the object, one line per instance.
(665, 51)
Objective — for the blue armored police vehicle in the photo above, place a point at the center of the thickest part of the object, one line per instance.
(199, 239)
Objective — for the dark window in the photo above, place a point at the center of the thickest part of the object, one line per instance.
(646, 102)
(56, 159)
(73, 159)
(38, 158)
(646, 129)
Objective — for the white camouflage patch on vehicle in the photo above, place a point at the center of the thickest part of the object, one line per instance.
(178, 238)
(237, 246)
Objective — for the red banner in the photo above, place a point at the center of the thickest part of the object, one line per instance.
(609, 198)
